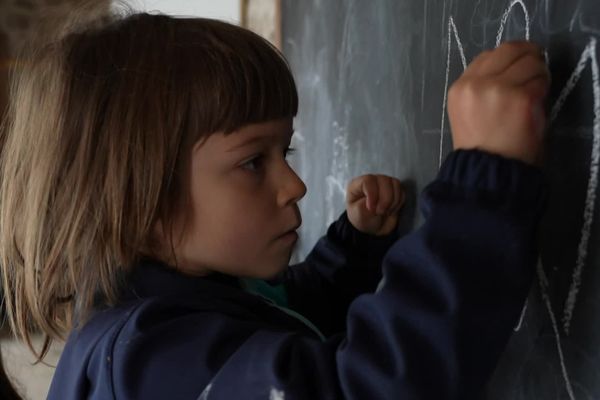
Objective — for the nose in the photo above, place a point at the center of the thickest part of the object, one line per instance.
(292, 188)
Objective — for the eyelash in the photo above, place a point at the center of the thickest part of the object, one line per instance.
(288, 151)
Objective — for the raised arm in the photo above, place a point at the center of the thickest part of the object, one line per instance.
(451, 294)
(344, 264)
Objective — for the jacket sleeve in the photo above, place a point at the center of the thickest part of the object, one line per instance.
(344, 264)
(450, 296)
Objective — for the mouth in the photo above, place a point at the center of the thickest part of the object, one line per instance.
(290, 235)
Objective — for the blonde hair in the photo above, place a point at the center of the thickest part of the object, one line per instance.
(96, 152)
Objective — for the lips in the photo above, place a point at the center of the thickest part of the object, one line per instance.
(293, 229)
(296, 221)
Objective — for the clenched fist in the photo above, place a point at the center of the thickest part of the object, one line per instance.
(373, 203)
(497, 104)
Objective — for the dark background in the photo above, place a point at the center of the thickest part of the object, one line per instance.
(372, 80)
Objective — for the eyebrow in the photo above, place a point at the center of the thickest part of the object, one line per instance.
(254, 140)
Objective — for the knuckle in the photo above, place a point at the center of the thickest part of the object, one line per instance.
(481, 57)
(510, 46)
(494, 89)
(515, 45)
(458, 88)
(533, 62)
(361, 179)
(386, 200)
(384, 178)
(485, 53)
(470, 90)
(370, 179)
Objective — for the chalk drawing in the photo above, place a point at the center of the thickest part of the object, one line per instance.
(505, 19)
(451, 28)
(588, 55)
(521, 318)
(205, 392)
(574, 18)
(339, 166)
(544, 290)
(452, 31)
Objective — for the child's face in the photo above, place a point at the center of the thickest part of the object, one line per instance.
(244, 198)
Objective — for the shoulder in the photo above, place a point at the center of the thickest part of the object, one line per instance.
(145, 348)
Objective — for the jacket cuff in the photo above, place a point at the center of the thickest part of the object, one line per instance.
(482, 174)
(344, 233)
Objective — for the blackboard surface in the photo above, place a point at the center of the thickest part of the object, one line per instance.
(372, 78)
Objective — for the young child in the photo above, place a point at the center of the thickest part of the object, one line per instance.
(148, 211)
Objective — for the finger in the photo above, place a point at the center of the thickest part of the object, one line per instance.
(386, 194)
(370, 187)
(537, 87)
(509, 53)
(395, 197)
(498, 60)
(399, 197)
(539, 119)
(355, 191)
(528, 67)
(475, 66)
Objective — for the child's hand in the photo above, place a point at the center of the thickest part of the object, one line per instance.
(373, 203)
(497, 104)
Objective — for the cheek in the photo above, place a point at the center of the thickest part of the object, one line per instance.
(232, 221)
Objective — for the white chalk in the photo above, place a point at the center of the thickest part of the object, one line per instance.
(590, 200)
(589, 54)
(336, 180)
(505, 19)
(451, 29)
(521, 318)
(205, 392)
(544, 289)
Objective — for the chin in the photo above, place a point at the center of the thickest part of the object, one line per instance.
(274, 272)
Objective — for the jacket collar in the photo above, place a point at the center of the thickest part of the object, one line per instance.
(151, 278)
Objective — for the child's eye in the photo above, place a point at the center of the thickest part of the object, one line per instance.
(289, 151)
(254, 164)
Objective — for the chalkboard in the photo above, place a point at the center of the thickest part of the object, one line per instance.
(373, 79)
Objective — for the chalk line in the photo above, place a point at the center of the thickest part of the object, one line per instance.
(573, 79)
(339, 165)
(205, 392)
(575, 15)
(451, 27)
(521, 318)
(452, 30)
(505, 19)
(544, 289)
(588, 54)
(590, 201)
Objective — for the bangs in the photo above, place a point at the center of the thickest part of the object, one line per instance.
(238, 78)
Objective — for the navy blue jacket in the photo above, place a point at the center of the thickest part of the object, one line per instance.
(363, 318)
